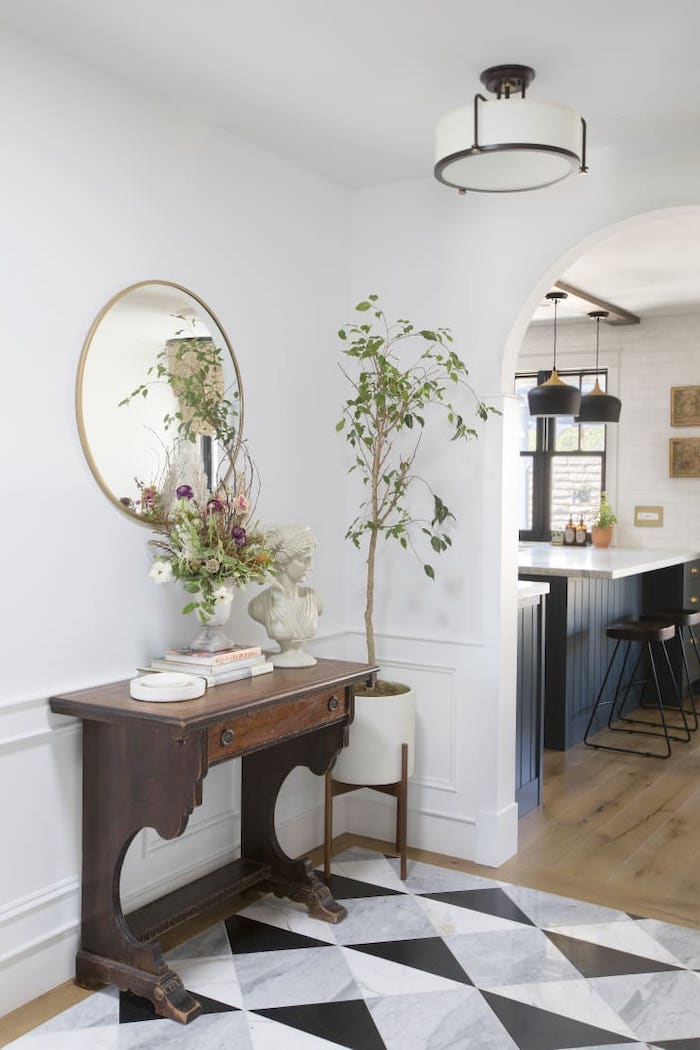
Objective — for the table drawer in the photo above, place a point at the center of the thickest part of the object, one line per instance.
(273, 724)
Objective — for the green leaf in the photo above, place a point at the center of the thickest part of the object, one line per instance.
(364, 305)
(429, 571)
(339, 426)
(408, 420)
(341, 333)
(190, 607)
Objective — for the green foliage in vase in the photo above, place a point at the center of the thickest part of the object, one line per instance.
(605, 517)
(383, 421)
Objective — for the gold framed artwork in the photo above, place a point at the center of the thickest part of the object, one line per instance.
(685, 406)
(684, 457)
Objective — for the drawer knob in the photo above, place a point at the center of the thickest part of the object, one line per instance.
(694, 570)
(226, 737)
(694, 600)
(333, 703)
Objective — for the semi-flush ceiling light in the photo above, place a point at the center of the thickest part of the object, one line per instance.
(509, 143)
(554, 397)
(599, 407)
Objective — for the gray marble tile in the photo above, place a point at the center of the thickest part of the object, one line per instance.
(450, 919)
(456, 1020)
(97, 1010)
(548, 909)
(379, 872)
(286, 915)
(575, 999)
(295, 977)
(105, 1038)
(215, 978)
(620, 936)
(378, 977)
(383, 919)
(428, 878)
(358, 853)
(207, 1032)
(510, 957)
(266, 1034)
(657, 1006)
(682, 942)
(210, 943)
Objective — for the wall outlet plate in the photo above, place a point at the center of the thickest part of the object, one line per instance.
(649, 517)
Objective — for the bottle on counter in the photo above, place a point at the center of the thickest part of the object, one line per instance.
(581, 533)
(570, 531)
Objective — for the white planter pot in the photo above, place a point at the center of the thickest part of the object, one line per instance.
(381, 725)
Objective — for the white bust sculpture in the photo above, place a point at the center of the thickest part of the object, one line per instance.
(288, 611)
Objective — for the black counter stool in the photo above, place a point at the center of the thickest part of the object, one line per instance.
(646, 634)
(683, 620)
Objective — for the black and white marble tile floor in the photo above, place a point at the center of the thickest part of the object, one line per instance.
(444, 961)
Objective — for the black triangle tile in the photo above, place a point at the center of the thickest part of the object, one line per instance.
(679, 1044)
(248, 935)
(134, 1008)
(343, 888)
(489, 902)
(596, 960)
(429, 954)
(348, 1023)
(534, 1029)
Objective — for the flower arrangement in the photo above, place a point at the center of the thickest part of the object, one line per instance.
(210, 548)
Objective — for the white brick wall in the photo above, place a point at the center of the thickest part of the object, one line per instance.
(644, 361)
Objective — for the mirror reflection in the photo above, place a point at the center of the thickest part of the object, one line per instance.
(159, 398)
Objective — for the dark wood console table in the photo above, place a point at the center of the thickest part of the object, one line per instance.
(143, 766)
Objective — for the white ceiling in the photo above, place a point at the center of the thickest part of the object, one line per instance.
(353, 90)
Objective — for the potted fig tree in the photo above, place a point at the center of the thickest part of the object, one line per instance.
(398, 374)
(601, 529)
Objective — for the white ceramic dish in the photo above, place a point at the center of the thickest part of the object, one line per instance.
(167, 687)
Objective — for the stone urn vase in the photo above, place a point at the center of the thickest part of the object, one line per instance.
(212, 637)
(601, 537)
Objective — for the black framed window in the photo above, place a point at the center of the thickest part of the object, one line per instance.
(562, 463)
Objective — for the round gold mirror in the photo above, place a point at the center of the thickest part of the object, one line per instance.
(158, 398)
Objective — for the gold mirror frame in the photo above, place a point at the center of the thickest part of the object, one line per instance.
(79, 384)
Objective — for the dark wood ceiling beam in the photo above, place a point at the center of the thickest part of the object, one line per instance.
(617, 314)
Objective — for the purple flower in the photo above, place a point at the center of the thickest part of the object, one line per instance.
(238, 534)
(214, 506)
(184, 492)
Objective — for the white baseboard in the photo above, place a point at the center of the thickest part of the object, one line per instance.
(496, 836)
(453, 835)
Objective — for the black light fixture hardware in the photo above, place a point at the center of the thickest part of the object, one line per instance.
(516, 144)
(554, 397)
(599, 407)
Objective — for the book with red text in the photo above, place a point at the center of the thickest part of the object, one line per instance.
(224, 656)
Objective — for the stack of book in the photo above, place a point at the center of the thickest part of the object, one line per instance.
(227, 665)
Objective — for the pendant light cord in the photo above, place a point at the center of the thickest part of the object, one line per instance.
(597, 345)
(554, 358)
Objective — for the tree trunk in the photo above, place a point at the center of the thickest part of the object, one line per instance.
(369, 606)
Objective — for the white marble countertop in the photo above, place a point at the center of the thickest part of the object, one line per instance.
(531, 589)
(611, 563)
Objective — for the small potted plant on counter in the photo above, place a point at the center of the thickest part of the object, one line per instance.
(397, 373)
(601, 529)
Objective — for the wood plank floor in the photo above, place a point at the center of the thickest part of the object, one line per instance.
(618, 830)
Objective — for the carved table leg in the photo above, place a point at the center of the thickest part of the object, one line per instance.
(134, 777)
(263, 774)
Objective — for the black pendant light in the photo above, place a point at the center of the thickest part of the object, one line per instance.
(554, 397)
(598, 407)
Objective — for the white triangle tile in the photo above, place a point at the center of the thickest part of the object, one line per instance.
(459, 1020)
(373, 919)
(377, 872)
(449, 919)
(658, 1006)
(622, 936)
(295, 977)
(429, 878)
(575, 999)
(548, 909)
(683, 942)
(286, 915)
(266, 1034)
(215, 978)
(208, 1032)
(99, 1009)
(381, 977)
(106, 1038)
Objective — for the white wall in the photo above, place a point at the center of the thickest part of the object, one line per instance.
(644, 362)
(103, 187)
